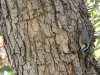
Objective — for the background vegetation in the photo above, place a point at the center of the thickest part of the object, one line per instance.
(93, 7)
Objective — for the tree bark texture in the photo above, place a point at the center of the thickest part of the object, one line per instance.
(41, 36)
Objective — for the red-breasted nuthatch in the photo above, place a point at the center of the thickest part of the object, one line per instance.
(85, 39)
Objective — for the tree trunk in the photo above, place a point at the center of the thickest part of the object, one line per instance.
(41, 36)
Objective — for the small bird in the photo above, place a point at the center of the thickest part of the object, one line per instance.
(85, 39)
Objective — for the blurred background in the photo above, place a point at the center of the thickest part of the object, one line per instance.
(93, 7)
(5, 68)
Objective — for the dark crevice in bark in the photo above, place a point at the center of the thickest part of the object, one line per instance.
(25, 52)
(63, 4)
(82, 11)
(96, 65)
(77, 33)
(55, 12)
(43, 5)
(18, 10)
(22, 69)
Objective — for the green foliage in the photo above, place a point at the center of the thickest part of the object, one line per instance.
(8, 69)
(94, 10)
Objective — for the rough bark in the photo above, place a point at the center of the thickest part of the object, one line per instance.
(41, 36)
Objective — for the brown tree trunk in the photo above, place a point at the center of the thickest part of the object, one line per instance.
(41, 36)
